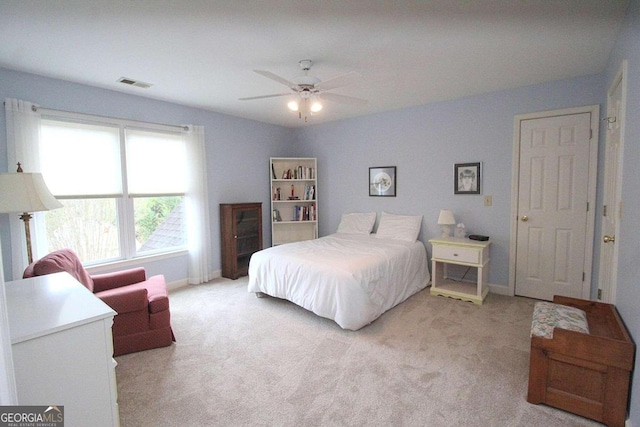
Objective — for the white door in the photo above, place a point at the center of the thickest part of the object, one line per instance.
(612, 208)
(555, 154)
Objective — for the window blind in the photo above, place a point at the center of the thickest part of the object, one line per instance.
(156, 163)
(81, 159)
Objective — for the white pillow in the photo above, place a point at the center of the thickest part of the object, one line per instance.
(357, 223)
(399, 227)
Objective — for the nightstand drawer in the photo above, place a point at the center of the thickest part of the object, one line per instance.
(454, 253)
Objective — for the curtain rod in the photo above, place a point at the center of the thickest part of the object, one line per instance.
(35, 109)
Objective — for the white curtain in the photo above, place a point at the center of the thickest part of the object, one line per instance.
(23, 140)
(197, 208)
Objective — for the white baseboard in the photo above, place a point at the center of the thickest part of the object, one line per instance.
(177, 284)
(628, 423)
(172, 286)
(500, 290)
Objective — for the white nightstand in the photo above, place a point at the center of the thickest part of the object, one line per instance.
(453, 250)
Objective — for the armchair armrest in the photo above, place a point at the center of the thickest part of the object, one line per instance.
(125, 300)
(103, 282)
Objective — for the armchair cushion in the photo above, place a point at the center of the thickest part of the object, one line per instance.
(124, 300)
(102, 282)
(151, 292)
(158, 296)
(59, 261)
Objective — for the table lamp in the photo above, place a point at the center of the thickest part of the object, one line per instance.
(25, 192)
(445, 221)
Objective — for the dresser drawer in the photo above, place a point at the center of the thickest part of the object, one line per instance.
(459, 254)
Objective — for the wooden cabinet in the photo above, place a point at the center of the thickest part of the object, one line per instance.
(465, 252)
(294, 201)
(63, 349)
(241, 236)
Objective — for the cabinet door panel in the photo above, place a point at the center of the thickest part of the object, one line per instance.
(241, 229)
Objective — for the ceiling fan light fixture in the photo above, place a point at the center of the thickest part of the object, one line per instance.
(316, 107)
(293, 105)
(309, 91)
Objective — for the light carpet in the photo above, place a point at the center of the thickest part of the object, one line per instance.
(246, 361)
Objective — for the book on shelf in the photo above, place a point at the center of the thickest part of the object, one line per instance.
(304, 213)
(275, 193)
(300, 172)
(276, 215)
(305, 173)
(309, 192)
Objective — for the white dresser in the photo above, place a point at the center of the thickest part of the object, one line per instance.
(63, 349)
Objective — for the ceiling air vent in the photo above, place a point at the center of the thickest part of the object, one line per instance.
(135, 83)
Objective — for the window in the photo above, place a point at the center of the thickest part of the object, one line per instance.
(122, 187)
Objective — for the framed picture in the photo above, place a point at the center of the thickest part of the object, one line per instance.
(382, 181)
(467, 178)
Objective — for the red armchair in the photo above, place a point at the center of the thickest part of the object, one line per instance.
(143, 319)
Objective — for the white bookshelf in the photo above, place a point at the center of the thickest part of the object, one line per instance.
(294, 204)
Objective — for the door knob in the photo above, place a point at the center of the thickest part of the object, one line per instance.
(608, 239)
(524, 218)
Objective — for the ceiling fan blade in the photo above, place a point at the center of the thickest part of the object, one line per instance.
(340, 81)
(343, 99)
(263, 96)
(282, 80)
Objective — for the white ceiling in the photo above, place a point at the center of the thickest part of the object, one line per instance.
(201, 53)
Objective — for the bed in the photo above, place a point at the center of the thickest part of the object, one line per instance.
(351, 278)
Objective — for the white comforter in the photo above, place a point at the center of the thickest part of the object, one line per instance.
(349, 278)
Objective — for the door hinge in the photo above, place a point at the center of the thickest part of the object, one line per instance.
(587, 206)
(620, 206)
(590, 134)
(604, 210)
(610, 121)
(599, 294)
(583, 275)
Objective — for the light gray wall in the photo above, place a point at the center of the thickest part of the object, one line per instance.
(237, 149)
(628, 290)
(424, 143)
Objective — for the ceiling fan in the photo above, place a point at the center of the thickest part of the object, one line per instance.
(311, 90)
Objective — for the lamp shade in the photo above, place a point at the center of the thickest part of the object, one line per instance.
(25, 192)
(446, 217)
